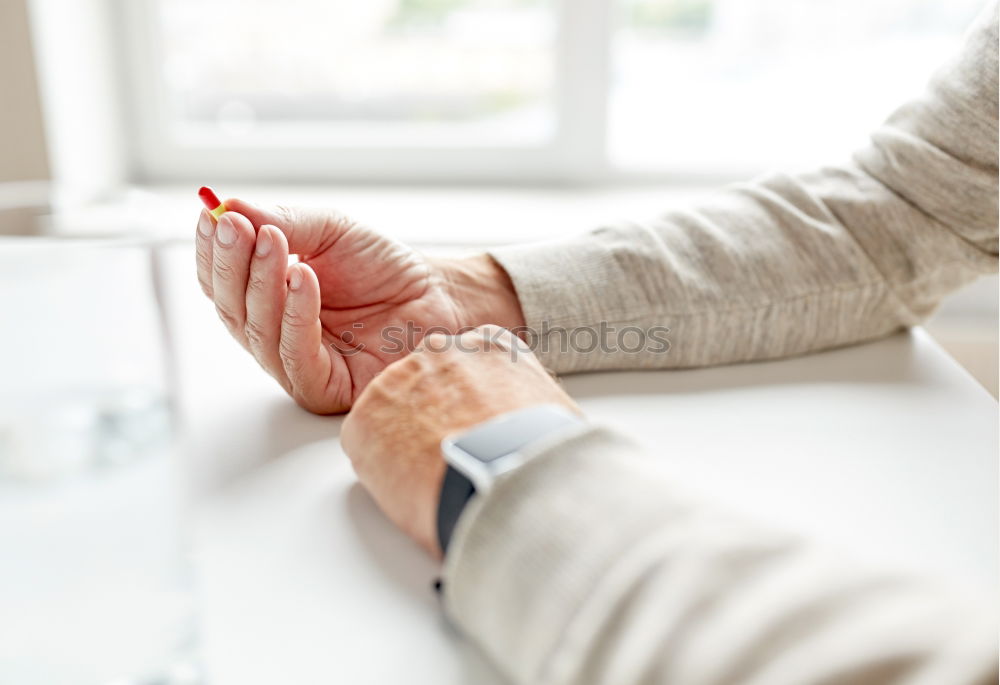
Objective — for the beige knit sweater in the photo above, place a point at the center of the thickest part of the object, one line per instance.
(645, 584)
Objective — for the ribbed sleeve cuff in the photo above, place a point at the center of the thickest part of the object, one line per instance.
(577, 283)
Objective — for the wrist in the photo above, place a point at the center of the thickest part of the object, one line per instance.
(478, 456)
(482, 292)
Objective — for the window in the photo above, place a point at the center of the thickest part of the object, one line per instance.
(450, 70)
(521, 90)
(706, 85)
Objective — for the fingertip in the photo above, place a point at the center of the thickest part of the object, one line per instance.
(265, 242)
(277, 238)
(235, 204)
(206, 224)
(253, 213)
(295, 277)
(301, 278)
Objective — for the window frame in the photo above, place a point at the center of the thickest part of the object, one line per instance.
(578, 154)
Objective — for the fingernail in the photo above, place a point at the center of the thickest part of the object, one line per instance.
(226, 233)
(205, 224)
(295, 279)
(264, 242)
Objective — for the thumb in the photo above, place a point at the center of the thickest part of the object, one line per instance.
(308, 230)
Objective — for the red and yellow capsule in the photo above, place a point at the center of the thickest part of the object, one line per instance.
(211, 201)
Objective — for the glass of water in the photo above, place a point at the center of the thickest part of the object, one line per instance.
(92, 581)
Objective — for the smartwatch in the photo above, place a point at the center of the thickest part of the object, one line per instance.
(478, 456)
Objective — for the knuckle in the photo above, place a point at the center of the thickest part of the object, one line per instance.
(204, 270)
(288, 354)
(203, 259)
(228, 317)
(256, 282)
(295, 318)
(223, 270)
(287, 216)
(256, 333)
(285, 211)
(291, 358)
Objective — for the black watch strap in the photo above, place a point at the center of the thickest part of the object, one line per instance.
(456, 490)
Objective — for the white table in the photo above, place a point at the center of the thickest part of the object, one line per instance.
(887, 450)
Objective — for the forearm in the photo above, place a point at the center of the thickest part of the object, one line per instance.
(763, 271)
(780, 267)
(586, 566)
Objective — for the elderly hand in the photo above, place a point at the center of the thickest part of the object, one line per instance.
(450, 383)
(320, 326)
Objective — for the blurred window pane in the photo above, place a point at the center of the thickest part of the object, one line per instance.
(721, 86)
(243, 67)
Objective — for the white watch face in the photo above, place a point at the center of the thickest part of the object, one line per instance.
(485, 451)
